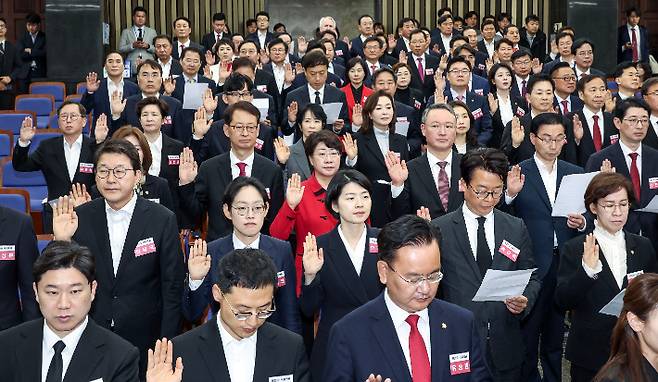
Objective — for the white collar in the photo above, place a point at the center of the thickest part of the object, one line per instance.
(238, 244)
(471, 215)
(380, 133)
(77, 142)
(228, 339)
(248, 160)
(312, 91)
(127, 209)
(157, 144)
(589, 114)
(70, 340)
(399, 315)
(627, 150)
(601, 233)
(433, 160)
(542, 167)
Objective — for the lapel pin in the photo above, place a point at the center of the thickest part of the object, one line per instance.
(443, 325)
(632, 252)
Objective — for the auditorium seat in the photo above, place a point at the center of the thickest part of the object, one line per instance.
(41, 104)
(81, 88)
(33, 182)
(15, 198)
(11, 120)
(56, 89)
(6, 144)
(41, 136)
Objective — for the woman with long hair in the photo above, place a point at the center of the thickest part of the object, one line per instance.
(465, 138)
(503, 105)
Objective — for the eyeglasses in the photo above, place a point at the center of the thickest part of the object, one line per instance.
(118, 172)
(459, 71)
(548, 140)
(244, 316)
(244, 94)
(635, 121)
(327, 154)
(149, 75)
(566, 78)
(482, 195)
(73, 117)
(242, 128)
(611, 207)
(242, 211)
(432, 278)
(519, 62)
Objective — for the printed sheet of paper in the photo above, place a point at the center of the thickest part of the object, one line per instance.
(570, 197)
(263, 105)
(614, 307)
(193, 97)
(332, 110)
(651, 207)
(499, 285)
(402, 127)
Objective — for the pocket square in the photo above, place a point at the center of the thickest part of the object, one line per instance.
(97, 380)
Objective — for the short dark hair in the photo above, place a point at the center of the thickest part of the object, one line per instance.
(546, 119)
(560, 65)
(503, 40)
(263, 13)
(316, 44)
(405, 231)
(149, 62)
(443, 19)
(113, 51)
(139, 8)
(486, 22)
(242, 62)
(63, 255)
(530, 18)
(454, 39)
(338, 182)
(219, 16)
(329, 32)
(511, 26)
(279, 25)
(504, 15)
(619, 69)
(380, 71)
(189, 23)
(132, 131)
(236, 82)
(562, 35)
(470, 14)
(248, 22)
(362, 16)
(622, 107)
(417, 31)
(467, 48)
(314, 59)
(631, 10)
(191, 49)
(443, 10)
(537, 78)
(162, 105)
(163, 36)
(277, 41)
(373, 38)
(240, 105)
(586, 79)
(458, 59)
(522, 52)
(81, 108)
(579, 43)
(484, 158)
(329, 138)
(33, 18)
(245, 268)
(606, 183)
(245, 42)
(241, 182)
(316, 110)
(648, 83)
(3, 20)
(121, 147)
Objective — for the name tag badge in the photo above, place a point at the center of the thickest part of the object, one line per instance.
(167, 120)
(429, 72)
(262, 88)
(373, 247)
(156, 200)
(267, 190)
(653, 183)
(614, 138)
(460, 363)
(144, 247)
(401, 119)
(86, 168)
(633, 275)
(259, 144)
(280, 279)
(509, 250)
(281, 378)
(338, 52)
(477, 113)
(520, 112)
(479, 91)
(482, 66)
(417, 104)
(174, 160)
(7, 252)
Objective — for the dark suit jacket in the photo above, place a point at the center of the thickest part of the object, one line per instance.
(483, 48)
(651, 139)
(206, 193)
(356, 48)
(16, 268)
(279, 352)
(623, 38)
(519, 108)
(331, 95)
(406, 113)
(99, 101)
(184, 132)
(337, 290)
(208, 41)
(287, 310)
(586, 147)
(588, 345)
(421, 189)
(38, 55)
(254, 37)
(462, 279)
(452, 331)
(576, 104)
(10, 62)
(431, 65)
(479, 107)
(370, 162)
(49, 158)
(538, 48)
(172, 125)
(215, 142)
(143, 299)
(193, 44)
(99, 354)
(339, 71)
(266, 83)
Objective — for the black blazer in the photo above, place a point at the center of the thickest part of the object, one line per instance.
(538, 48)
(208, 41)
(206, 193)
(264, 81)
(462, 279)
(586, 147)
(215, 142)
(331, 95)
(588, 345)
(16, 268)
(172, 125)
(99, 101)
(651, 138)
(10, 62)
(99, 354)
(431, 66)
(421, 189)
(38, 55)
(144, 297)
(254, 37)
(519, 108)
(175, 45)
(170, 161)
(575, 102)
(49, 158)
(623, 37)
(337, 289)
(370, 162)
(184, 132)
(279, 352)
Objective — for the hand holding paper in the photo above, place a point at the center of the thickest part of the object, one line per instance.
(571, 195)
(504, 285)
(332, 110)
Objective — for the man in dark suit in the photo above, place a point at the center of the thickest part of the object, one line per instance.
(532, 38)
(244, 66)
(531, 189)
(632, 39)
(478, 83)
(443, 33)
(489, 38)
(650, 95)
(262, 35)
(628, 81)
(263, 80)
(18, 251)
(565, 99)
(564, 41)
(365, 23)
(433, 180)
(32, 51)
(482, 238)
(631, 118)
(405, 26)
(64, 160)
(218, 28)
(10, 68)
(373, 58)
(66, 344)
(204, 193)
(583, 52)
(163, 50)
(99, 92)
(182, 30)
(423, 66)
(332, 79)
(397, 328)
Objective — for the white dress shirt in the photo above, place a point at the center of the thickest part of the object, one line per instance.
(613, 247)
(382, 137)
(279, 75)
(240, 355)
(569, 106)
(505, 107)
(118, 223)
(112, 87)
(626, 150)
(472, 230)
(491, 47)
(580, 73)
(166, 68)
(519, 83)
(371, 64)
(422, 60)
(456, 95)
(235, 170)
(156, 154)
(446, 42)
(637, 39)
(185, 44)
(72, 155)
(402, 328)
(434, 167)
(311, 93)
(50, 339)
(589, 117)
(261, 38)
(357, 253)
(549, 178)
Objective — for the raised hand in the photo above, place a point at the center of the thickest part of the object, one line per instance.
(397, 169)
(313, 258)
(210, 58)
(65, 220)
(169, 85)
(537, 66)
(292, 112)
(295, 191)
(299, 68)
(207, 72)
(578, 130)
(439, 82)
(357, 115)
(576, 221)
(28, 130)
(488, 63)
(93, 83)
(79, 194)
(117, 105)
(610, 102)
(518, 132)
(372, 378)
(436, 49)
(159, 364)
(402, 56)
(198, 265)
(347, 41)
(590, 251)
(424, 212)
(263, 57)
(606, 166)
(302, 44)
(101, 130)
(349, 144)
(201, 125)
(209, 102)
(443, 64)
(493, 103)
(282, 150)
(495, 58)
(188, 169)
(391, 41)
(224, 71)
(289, 75)
(515, 181)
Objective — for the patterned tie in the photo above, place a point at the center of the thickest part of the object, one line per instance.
(524, 89)
(460, 98)
(373, 68)
(636, 55)
(444, 185)
(317, 98)
(2, 47)
(635, 175)
(242, 166)
(483, 252)
(597, 133)
(56, 368)
(421, 69)
(420, 361)
(565, 107)
(181, 50)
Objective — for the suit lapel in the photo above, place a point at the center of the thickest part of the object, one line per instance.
(104, 258)
(266, 354)
(454, 198)
(373, 146)
(425, 176)
(87, 354)
(634, 261)
(462, 238)
(138, 224)
(345, 268)
(439, 342)
(384, 333)
(28, 351)
(212, 351)
(534, 178)
(606, 274)
(369, 276)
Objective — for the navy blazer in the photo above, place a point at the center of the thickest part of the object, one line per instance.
(366, 342)
(479, 86)
(479, 107)
(215, 142)
(586, 147)
(287, 311)
(426, 86)
(339, 71)
(623, 38)
(172, 125)
(575, 102)
(99, 100)
(651, 139)
(331, 94)
(184, 132)
(269, 36)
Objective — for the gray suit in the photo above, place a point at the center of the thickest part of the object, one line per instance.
(128, 37)
(297, 163)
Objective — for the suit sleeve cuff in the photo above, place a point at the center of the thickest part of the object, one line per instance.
(592, 272)
(194, 284)
(396, 190)
(351, 162)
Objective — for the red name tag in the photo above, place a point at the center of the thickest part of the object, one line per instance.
(373, 247)
(477, 113)
(429, 72)
(262, 88)
(479, 91)
(460, 363)
(167, 120)
(653, 183)
(614, 138)
(174, 160)
(508, 250)
(87, 168)
(417, 104)
(259, 144)
(339, 52)
(280, 279)
(7, 252)
(520, 112)
(144, 247)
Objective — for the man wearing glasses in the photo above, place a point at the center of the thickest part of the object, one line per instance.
(394, 336)
(482, 238)
(565, 99)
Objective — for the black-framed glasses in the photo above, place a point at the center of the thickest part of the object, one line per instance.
(244, 210)
(485, 194)
(118, 172)
(240, 94)
(549, 140)
(432, 278)
(242, 128)
(244, 316)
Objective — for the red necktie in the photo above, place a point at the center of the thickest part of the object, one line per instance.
(242, 166)
(634, 45)
(524, 89)
(597, 133)
(420, 362)
(444, 185)
(421, 70)
(460, 98)
(181, 49)
(373, 68)
(635, 175)
(565, 107)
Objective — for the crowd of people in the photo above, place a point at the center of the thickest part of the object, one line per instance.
(431, 157)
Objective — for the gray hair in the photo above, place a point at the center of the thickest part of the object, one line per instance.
(326, 18)
(438, 106)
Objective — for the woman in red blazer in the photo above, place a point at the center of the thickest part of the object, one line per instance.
(355, 91)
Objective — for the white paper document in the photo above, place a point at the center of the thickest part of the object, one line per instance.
(402, 127)
(570, 197)
(651, 207)
(332, 110)
(499, 285)
(193, 97)
(614, 307)
(263, 105)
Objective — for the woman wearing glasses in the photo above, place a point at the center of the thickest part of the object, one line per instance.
(340, 267)
(245, 205)
(595, 267)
